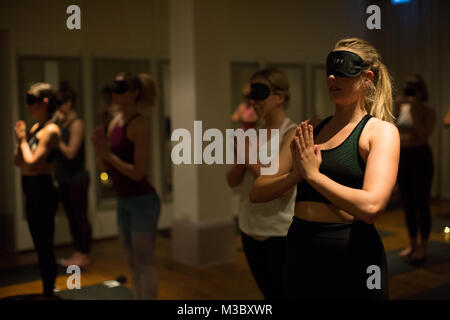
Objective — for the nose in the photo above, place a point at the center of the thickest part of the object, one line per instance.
(331, 77)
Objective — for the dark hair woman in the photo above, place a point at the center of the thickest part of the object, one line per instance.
(34, 156)
(72, 177)
(415, 122)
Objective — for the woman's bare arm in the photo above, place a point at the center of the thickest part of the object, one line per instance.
(141, 141)
(269, 187)
(48, 141)
(379, 179)
(76, 130)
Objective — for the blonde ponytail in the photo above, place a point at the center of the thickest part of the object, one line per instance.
(378, 95)
(149, 92)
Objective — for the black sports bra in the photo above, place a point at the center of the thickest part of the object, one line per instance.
(33, 142)
(342, 164)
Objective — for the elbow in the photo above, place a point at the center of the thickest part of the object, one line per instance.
(232, 183)
(372, 212)
(255, 197)
(29, 162)
(138, 176)
(70, 155)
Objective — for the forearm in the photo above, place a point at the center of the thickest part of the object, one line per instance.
(100, 163)
(66, 150)
(359, 203)
(27, 155)
(123, 167)
(268, 188)
(235, 175)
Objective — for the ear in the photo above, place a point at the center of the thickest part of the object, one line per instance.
(281, 98)
(369, 75)
(135, 94)
(45, 100)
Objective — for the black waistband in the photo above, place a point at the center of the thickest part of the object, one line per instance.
(321, 225)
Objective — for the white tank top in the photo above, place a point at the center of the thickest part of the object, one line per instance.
(268, 219)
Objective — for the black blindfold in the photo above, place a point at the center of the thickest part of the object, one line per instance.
(344, 64)
(119, 86)
(259, 91)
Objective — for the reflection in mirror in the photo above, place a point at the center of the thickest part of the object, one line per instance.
(240, 75)
(105, 69)
(165, 129)
(297, 79)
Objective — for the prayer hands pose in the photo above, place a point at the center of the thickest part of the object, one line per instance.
(101, 142)
(21, 131)
(306, 155)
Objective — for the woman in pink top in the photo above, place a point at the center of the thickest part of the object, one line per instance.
(124, 153)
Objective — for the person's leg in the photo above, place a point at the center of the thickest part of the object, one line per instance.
(144, 220)
(257, 256)
(300, 277)
(124, 227)
(406, 184)
(78, 196)
(276, 267)
(41, 208)
(64, 194)
(425, 178)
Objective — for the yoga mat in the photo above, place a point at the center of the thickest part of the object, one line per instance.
(22, 274)
(438, 252)
(101, 291)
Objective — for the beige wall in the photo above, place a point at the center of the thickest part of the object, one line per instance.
(291, 30)
(109, 28)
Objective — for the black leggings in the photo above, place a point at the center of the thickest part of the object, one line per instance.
(41, 204)
(74, 197)
(266, 260)
(415, 175)
(331, 260)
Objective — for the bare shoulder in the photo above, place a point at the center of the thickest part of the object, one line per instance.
(52, 129)
(140, 123)
(378, 129)
(139, 126)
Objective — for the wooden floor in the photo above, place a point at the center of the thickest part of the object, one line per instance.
(231, 280)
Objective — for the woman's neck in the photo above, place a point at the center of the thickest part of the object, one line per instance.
(70, 115)
(275, 119)
(42, 119)
(347, 114)
(128, 112)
